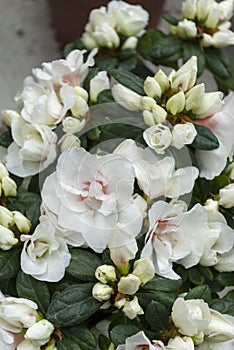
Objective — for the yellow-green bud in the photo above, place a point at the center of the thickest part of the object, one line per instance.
(176, 103)
(3, 171)
(120, 303)
(9, 115)
(152, 87)
(9, 187)
(7, 238)
(144, 270)
(6, 217)
(129, 284)
(105, 273)
(163, 80)
(102, 292)
(23, 224)
(132, 308)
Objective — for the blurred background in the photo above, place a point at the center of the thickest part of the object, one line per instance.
(35, 31)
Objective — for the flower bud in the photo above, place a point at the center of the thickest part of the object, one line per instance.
(148, 118)
(80, 107)
(203, 9)
(105, 273)
(9, 116)
(152, 87)
(225, 10)
(67, 141)
(230, 171)
(189, 8)
(223, 38)
(120, 303)
(99, 83)
(211, 206)
(194, 96)
(26, 344)
(163, 80)
(159, 114)
(88, 41)
(132, 308)
(226, 196)
(40, 332)
(106, 36)
(184, 79)
(148, 103)
(7, 238)
(187, 29)
(140, 202)
(9, 187)
(126, 97)
(129, 284)
(130, 43)
(210, 103)
(176, 103)
(144, 270)
(3, 171)
(73, 125)
(206, 40)
(185, 343)
(183, 134)
(158, 137)
(6, 217)
(102, 291)
(213, 17)
(22, 223)
(81, 93)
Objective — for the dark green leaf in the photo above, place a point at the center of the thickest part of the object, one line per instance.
(161, 284)
(218, 62)
(148, 41)
(157, 316)
(130, 80)
(120, 333)
(128, 65)
(8, 287)
(205, 139)
(206, 272)
(92, 72)
(68, 344)
(83, 265)
(9, 263)
(6, 138)
(73, 305)
(124, 55)
(224, 306)
(195, 276)
(105, 96)
(33, 213)
(225, 278)
(226, 84)
(125, 131)
(37, 291)
(219, 182)
(171, 19)
(166, 47)
(230, 295)
(106, 62)
(192, 48)
(104, 342)
(34, 185)
(199, 292)
(93, 134)
(167, 299)
(82, 336)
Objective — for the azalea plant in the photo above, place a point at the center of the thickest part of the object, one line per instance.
(117, 189)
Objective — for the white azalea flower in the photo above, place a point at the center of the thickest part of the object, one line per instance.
(88, 194)
(73, 125)
(187, 29)
(158, 137)
(185, 77)
(17, 313)
(137, 341)
(67, 141)
(157, 176)
(226, 196)
(181, 343)
(33, 149)
(45, 255)
(27, 344)
(174, 236)
(211, 163)
(39, 333)
(183, 134)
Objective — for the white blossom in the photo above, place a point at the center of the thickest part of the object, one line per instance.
(39, 333)
(158, 137)
(137, 341)
(226, 196)
(183, 134)
(181, 343)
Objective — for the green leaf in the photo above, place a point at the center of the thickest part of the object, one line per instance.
(218, 62)
(171, 19)
(195, 276)
(161, 284)
(9, 263)
(166, 47)
(105, 96)
(68, 344)
(199, 292)
(206, 272)
(6, 138)
(157, 316)
(148, 41)
(34, 185)
(106, 62)
(82, 336)
(120, 333)
(167, 299)
(117, 130)
(224, 306)
(92, 72)
(205, 139)
(225, 278)
(219, 182)
(73, 305)
(8, 287)
(83, 265)
(37, 291)
(104, 342)
(93, 134)
(192, 48)
(130, 80)
(128, 65)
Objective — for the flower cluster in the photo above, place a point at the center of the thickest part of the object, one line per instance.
(117, 190)
(206, 21)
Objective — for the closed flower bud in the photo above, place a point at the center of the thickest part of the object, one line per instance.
(67, 141)
(183, 134)
(7, 238)
(176, 103)
(148, 103)
(152, 87)
(194, 96)
(226, 196)
(129, 284)
(132, 308)
(102, 292)
(105, 273)
(81, 92)
(163, 80)
(226, 10)
(9, 116)
(126, 97)
(40, 332)
(6, 217)
(106, 36)
(158, 137)
(130, 43)
(187, 29)
(3, 171)
(185, 78)
(73, 125)
(185, 343)
(230, 171)
(9, 187)
(206, 40)
(120, 303)
(88, 41)
(148, 118)
(99, 83)
(210, 103)
(203, 9)
(213, 17)
(211, 206)
(144, 270)
(23, 224)
(80, 107)
(223, 38)
(189, 8)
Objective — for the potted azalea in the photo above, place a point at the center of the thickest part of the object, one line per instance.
(117, 182)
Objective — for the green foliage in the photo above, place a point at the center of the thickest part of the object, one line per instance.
(119, 333)
(73, 305)
(192, 48)
(6, 138)
(218, 62)
(130, 80)
(37, 291)
(161, 284)
(83, 265)
(171, 19)
(104, 342)
(200, 292)
(9, 262)
(205, 139)
(81, 337)
(157, 315)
